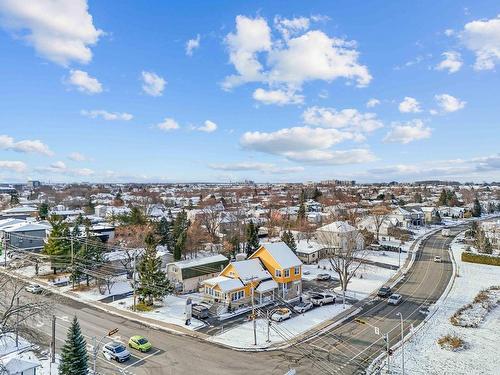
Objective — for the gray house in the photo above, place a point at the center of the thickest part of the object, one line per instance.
(24, 236)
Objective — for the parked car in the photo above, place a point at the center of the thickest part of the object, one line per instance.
(303, 307)
(394, 299)
(306, 272)
(323, 276)
(281, 314)
(384, 292)
(34, 288)
(320, 299)
(139, 343)
(199, 311)
(437, 259)
(116, 351)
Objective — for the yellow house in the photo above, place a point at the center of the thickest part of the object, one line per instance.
(284, 266)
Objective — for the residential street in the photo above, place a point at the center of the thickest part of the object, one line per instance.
(345, 349)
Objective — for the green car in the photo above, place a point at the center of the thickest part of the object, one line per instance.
(140, 343)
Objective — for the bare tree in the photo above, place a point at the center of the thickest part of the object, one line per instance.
(18, 310)
(379, 215)
(344, 251)
(211, 219)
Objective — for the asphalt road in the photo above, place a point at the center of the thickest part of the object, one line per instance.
(346, 349)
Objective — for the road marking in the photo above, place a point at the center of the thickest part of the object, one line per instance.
(142, 359)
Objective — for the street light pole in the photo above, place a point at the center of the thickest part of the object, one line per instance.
(402, 344)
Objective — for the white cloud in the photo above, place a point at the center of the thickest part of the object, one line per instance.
(255, 166)
(168, 124)
(108, 116)
(77, 156)
(61, 31)
(452, 62)
(16, 166)
(347, 119)
(288, 27)
(409, 105)
(449, 103)
(59, 167)
(373, 102)
(192, 44)
(449, 32)
(279, 97)
(251, 37)
(336, 157)
(84, 82)
(483, 38)
(291, 61)
(408, 132)
(26, 146)
(153, 84)
(207, 127)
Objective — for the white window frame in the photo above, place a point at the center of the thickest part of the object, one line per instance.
(296, 270)
(287, 272)
(277, 273)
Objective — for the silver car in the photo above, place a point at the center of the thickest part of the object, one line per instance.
(34, 288)
(394, 299)
(116, 351)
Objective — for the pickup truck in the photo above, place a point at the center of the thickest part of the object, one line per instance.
(320, 299)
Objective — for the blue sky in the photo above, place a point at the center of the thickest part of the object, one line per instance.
(268, 90)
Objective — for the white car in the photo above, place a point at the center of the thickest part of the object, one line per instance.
(323, 277)
(320, 299)
(34, 288)
(281, 314)
(394, 299)
(303, 307)
(116, 351)
(437, 259)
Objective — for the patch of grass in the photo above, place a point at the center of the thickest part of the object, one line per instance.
(451, 342)
(142, 307)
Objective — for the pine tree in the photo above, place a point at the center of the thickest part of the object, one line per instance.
(179, 234)
(163, 230)
(417, 198)
(43, 211)
(153, 282)
(476, 210)
(74, 358)
(252, 232)
(301, 214)
(443, 198)
(58, 245)
(287, 238)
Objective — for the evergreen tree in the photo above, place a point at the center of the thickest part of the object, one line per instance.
(287, 238)
(163, 231)
(74, 358)
(43, 211)
(317, 194)
(443, 198)
(14, 199)
(418, 198)
(487, 248)
(301, 214)
(58, 245)
(252, 232)
(179, 234)
(153, 282)
(437, 218)
(476, 210)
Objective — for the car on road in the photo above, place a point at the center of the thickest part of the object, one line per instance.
(306, 272)
(34, 288)
(116, 351)
(394, 299)
(323, 277)
(139, 343)
(320, 299)
(281, 314)
(199, 311)
(303, 307)
(384, 292)
(437, 259)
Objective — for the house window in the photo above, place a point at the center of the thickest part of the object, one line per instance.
(297, 270)
(277, 273)
(287, 273)
(237, 295)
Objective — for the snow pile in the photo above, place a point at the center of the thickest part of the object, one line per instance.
(473, 314)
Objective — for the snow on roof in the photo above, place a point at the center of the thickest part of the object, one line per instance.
(25, 226)
(338, 226)
(9, 222)
(20, 209)
(267, 286)
(282, 254)
(308, 247)
(200, 261)
(250, 269)
(226, 284)
(19, 363)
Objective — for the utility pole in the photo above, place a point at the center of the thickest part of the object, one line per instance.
(268, 325)
(253, 316)
(402, 344)
(17, 324)
(72, 260)
(94, 352)
(388, 354)
(53, 343)
(134, 276)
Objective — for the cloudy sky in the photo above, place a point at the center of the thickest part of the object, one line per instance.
(233, 90)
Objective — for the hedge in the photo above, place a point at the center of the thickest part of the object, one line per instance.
(480, 258)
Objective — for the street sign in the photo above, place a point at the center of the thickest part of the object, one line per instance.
(113, 331)
(188, 312)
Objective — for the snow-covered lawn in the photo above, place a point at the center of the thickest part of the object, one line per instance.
(242, 336)
(171, 311)
(122, 285)
(422, 353)
(386, 257)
